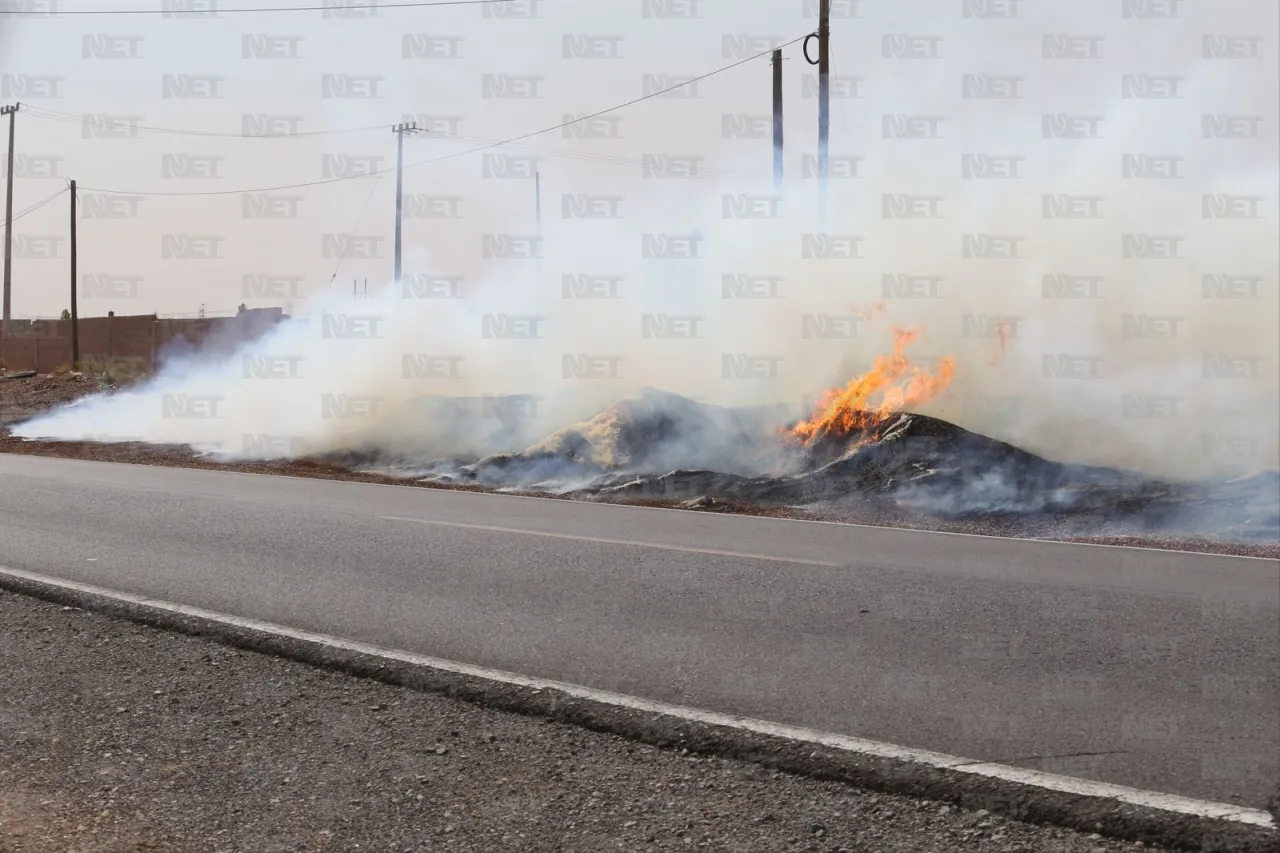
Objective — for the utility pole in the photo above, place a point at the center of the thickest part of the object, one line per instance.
(11, 112)
(75, 317)
(777, 120)
(824, 102)
(537, 200)
(400, 130)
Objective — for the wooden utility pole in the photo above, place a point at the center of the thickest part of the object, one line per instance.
(777, 120)
(400, 130)
(824, 101)
(75, 317)
(11, 112)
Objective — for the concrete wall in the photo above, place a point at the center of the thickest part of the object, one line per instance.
(139, 341)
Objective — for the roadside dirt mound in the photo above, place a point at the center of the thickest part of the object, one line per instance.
(23, 398)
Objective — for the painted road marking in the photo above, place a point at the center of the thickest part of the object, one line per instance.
(659, 546)
(1035, 778)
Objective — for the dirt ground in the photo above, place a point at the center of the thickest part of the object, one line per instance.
(24, 398)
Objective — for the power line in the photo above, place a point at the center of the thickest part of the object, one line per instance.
(72, 118)
(33, 208)
(495, 144)
(215, 11)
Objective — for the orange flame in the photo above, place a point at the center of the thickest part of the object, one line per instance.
(891, 384)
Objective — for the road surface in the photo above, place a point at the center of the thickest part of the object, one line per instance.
(1146, 668)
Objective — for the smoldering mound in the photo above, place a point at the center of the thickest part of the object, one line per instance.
(658, 445)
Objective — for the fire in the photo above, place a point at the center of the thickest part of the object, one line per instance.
(891, 384)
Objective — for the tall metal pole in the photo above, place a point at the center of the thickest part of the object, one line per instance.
(75, 316)
(400, 130)
(537, 200)
(777, 120)
(11, 112)
(824, 102)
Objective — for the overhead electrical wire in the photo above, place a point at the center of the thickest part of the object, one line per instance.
(215, 12)
(33, 208)
(496, 144)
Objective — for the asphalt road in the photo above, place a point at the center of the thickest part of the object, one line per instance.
(1147, 668)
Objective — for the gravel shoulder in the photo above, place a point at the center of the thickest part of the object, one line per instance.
(118, 738)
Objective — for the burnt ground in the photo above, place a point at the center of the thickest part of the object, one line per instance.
(1080, 521)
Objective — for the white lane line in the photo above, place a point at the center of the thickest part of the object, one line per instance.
(1035, 778)
(617, 541)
